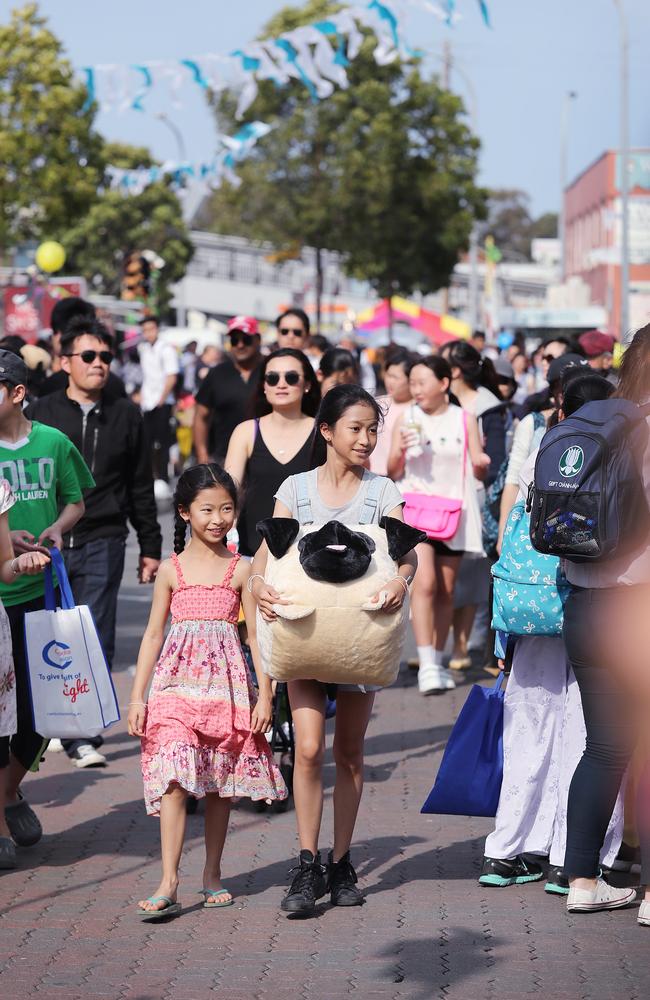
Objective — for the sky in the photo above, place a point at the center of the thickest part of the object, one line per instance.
(520, 71)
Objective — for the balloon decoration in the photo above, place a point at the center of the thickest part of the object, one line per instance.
(50, 256)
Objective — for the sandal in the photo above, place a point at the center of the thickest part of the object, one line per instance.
(214, 894)
(460, 662)
(172, 909)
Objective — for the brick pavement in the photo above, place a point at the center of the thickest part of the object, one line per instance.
(428, 930)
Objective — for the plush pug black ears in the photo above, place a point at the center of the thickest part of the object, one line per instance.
(401, 537)
(278, 533)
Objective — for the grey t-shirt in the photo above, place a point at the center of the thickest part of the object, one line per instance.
(389, 498)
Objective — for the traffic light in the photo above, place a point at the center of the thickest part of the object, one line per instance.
(135, 278)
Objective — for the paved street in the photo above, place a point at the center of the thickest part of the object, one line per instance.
(68, 927)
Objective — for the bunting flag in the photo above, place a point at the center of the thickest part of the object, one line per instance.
(317, 55)
(234, 149)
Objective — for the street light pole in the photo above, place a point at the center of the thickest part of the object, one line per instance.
(176, 132)
(625, 332)
(564, 146)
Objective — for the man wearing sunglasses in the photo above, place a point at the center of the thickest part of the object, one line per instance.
(109, 433)
(222, 401)
(539, 401)
(293, 329)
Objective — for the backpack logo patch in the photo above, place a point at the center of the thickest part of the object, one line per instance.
(572, 461)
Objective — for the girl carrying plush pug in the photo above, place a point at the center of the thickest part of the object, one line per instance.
(339, 489)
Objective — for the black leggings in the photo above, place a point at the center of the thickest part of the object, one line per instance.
(612, 738)
(27, 746)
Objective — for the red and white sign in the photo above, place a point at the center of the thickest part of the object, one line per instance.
(27, 308)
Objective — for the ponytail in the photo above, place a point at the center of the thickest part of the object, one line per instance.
(475, 371)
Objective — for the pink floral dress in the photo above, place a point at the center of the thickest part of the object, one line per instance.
(197, 729)
(8, 722)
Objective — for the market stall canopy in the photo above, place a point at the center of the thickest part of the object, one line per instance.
(438, 329)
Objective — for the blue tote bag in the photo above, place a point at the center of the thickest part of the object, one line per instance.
(468, 782)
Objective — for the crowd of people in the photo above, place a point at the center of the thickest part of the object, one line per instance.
(445, 441)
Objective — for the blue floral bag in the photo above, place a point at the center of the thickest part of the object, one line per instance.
(529, 588)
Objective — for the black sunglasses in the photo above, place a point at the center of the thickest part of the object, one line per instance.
(89, 356)
(284, 331)
(238, 337)
(291, 378)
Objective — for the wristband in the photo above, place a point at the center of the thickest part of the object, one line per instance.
(16, 572)
(143, 703)
(402, 580)
(249, 584)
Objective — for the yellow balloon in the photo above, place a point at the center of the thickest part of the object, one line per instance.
(50, 256)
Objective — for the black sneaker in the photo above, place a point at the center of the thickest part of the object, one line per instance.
(308, 885)
(342, 882)
(557, 882)
(509, 871)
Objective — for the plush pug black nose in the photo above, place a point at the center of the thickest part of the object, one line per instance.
(335, 554)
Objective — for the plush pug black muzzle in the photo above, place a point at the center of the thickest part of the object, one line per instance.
(335, 554)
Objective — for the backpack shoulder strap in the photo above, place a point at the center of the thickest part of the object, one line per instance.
(303, 503)
(368, 512)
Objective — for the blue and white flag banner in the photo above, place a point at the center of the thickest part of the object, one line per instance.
(315, 54)
(233, 149)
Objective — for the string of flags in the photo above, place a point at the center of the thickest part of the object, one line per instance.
(318, 55)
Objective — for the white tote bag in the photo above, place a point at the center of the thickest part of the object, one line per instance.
(71, 687)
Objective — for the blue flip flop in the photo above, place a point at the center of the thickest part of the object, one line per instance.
(172, 909)
(214, 894)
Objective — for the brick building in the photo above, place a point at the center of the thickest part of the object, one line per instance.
(592, 206)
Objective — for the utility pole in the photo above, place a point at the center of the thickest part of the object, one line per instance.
(624, 155)
(564, 146)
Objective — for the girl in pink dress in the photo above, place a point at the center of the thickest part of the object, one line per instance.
(202, 728)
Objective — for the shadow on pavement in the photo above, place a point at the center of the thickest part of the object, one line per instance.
(427, 968)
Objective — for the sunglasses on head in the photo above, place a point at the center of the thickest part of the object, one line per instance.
(238, 337)
(89, 356)
(284, 331)
(290, 378)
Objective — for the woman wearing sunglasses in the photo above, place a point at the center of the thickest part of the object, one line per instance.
(277, 443)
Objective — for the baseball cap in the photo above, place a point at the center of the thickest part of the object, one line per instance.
(13, 369)
(595, 342)
(558, 366)
(247, 324)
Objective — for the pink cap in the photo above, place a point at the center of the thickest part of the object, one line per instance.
(247, 324)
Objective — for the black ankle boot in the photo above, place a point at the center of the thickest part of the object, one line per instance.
(342, 882)
(308, 885)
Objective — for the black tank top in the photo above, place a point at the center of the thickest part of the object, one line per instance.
(264, 476)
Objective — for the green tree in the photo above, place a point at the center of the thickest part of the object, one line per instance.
(510, 223)
(118, 223)
(51, 158)
(53, 169)
(383, 172)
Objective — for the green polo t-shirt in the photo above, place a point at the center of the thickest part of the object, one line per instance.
(45, 472)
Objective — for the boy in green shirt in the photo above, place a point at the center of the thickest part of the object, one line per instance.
(47, 476)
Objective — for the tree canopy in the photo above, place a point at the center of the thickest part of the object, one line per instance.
(53, 168)
(511, 224)
(383, 172)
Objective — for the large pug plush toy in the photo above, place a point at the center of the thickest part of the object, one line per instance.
(331, 630)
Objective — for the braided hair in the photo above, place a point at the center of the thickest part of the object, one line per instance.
(188, 487)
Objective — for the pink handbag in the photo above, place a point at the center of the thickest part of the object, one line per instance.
(438, 516)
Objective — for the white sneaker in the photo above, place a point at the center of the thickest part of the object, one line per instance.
(603, 897)
(644, 913)
(433, 679)
(55, 746)
(86, 756)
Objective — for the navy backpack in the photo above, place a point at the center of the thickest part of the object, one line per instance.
(587, 500)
